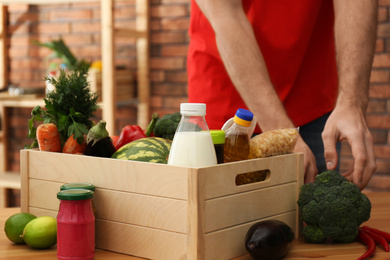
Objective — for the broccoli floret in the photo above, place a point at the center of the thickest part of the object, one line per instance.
(313, 234)
(166, 126)
(306, 194)
(311, 213)
(330, 178)
(364, 209)
(332, 208)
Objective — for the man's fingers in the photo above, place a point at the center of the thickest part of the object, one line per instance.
(330, 151)
(370, 166)
(364, 164)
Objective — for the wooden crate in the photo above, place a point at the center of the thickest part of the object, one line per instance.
(167, 212)
(125, 84)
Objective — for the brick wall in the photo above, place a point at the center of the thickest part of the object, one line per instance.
(79, 25)
(378, 110)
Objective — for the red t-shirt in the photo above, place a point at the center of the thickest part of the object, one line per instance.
(297, 42)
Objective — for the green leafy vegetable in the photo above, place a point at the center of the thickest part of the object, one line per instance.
(166, 126)
(333, 208)
(60, 50)
(70, 106)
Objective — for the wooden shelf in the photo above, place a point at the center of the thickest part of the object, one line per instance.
(109, 32)
(40, 2)
(141, 34)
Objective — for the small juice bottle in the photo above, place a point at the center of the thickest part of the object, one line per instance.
(236, 146)
(75, 225)
(218, 137)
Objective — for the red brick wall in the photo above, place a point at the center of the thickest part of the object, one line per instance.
(378, 110)
(79, 25)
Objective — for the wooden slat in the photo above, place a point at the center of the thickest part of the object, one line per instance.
(134, 240)
(120, 175)
(108, 71)
(23, 103)
(10, 180)
(24, 177)
(124, 207)
(121, 32)
(220, 181)
(224, 244)
(196, 215)
(142, 24)
(249, 206)
(3, 47)
(3, 145)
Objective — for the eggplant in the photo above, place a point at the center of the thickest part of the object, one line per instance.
(99, 142)
(269, 240)
(101, 148)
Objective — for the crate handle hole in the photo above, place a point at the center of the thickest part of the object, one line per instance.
(252, 177)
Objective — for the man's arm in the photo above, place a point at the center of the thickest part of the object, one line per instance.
(355, 34)
(244, 62)
(246, 67)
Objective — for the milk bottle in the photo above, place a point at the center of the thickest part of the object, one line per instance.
(192, 145)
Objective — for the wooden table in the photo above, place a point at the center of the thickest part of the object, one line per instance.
(380, 218)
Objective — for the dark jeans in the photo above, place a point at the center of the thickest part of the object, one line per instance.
(311, 134)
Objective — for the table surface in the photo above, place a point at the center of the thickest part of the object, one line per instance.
(380, 218)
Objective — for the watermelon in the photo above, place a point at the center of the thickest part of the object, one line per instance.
(149, 149)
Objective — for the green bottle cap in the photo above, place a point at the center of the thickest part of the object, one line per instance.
(78, 185)
(75, 194)
(218, 136)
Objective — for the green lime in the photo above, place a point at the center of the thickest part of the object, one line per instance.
(15, 224)
(41, 232)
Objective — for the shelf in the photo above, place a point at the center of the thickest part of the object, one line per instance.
(41, 2)
(141, 34)
(109, 32)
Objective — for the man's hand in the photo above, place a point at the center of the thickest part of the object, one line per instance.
(349, 124)
(309, 160)
(355, 34)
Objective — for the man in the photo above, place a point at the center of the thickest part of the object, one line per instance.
(278, 59)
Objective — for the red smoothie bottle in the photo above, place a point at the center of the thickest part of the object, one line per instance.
(75, 225)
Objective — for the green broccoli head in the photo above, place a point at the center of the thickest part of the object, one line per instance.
(333, 205)
(166, 126)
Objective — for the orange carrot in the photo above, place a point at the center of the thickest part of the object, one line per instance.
(48, 138)
(72, 146)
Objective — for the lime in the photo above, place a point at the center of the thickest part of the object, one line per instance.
(41, 232)
(15, 224)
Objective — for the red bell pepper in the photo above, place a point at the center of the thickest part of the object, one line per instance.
(134, 132)
(114, 139)
(128, 134)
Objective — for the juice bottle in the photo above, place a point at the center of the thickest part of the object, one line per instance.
(192, 144)
(75, 225)
(236, 146)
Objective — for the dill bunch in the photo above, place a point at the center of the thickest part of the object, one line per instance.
(70, 106)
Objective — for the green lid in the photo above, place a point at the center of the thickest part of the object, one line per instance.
(75, 194)
(218, 136)
(78, 185)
